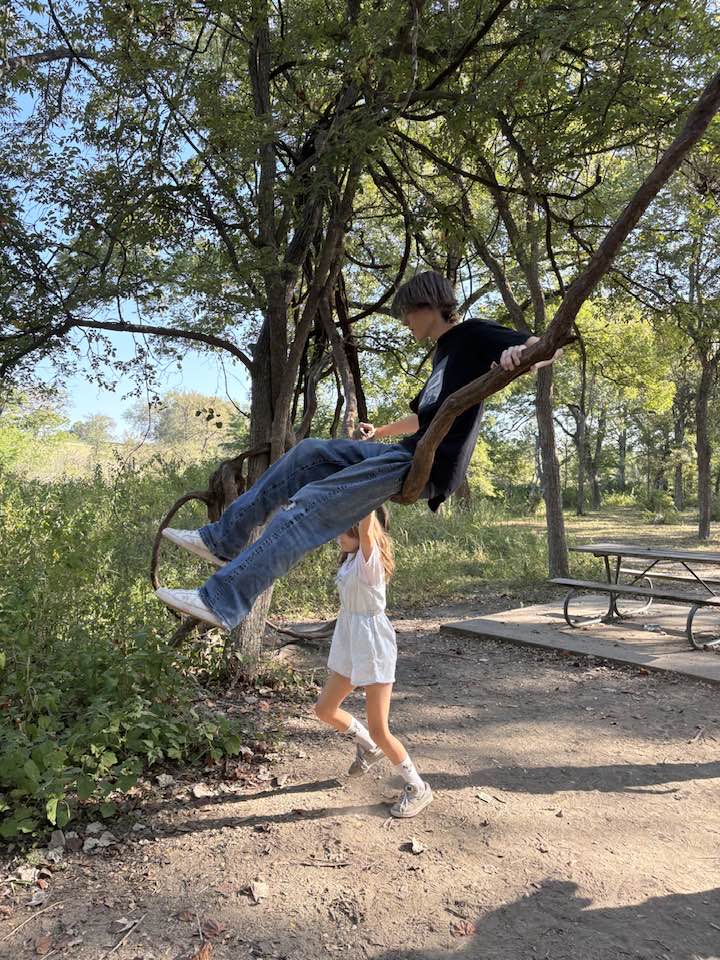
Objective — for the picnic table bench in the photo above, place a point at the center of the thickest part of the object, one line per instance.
(641, 583)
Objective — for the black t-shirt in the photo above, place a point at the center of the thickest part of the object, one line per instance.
(463, 354)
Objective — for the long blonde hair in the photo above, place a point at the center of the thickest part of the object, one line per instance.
(382, 538)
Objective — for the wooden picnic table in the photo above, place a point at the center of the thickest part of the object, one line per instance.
(648, 559)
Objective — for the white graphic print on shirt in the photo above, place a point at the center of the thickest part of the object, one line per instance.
(434, 385)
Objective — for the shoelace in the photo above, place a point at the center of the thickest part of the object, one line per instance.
(408, 794)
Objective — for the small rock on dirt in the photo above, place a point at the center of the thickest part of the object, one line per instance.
(259, 890)
(57, 840)
(201, 790)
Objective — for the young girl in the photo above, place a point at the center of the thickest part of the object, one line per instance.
(363, 654)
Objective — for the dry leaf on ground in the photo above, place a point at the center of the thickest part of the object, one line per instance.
(212, 928)
(43, 944)
(204, 953)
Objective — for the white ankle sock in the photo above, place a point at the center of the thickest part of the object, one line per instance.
(406, 770)
(360, 735)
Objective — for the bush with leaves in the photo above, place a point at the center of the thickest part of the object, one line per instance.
(90, 694)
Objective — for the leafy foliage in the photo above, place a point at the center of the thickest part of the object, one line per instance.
(90, 694)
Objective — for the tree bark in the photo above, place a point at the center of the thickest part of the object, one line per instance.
(594, 461)
(679, 436)
(579, 440)
(703, 449)
(558, 564)
(463, 496)
(622, 454)
(244, 645)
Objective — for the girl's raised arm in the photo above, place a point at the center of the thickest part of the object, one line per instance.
(367, 538)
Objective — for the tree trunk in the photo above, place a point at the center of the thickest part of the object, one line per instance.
(702, 446)
(463, 496)
(679, 434)
(594, 461)
(622, 456)
(244, 645)
(581, 460)
(558, 565)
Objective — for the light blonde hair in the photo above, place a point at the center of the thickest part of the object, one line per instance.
(383, 540)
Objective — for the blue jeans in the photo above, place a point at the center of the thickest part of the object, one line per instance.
(324, 486)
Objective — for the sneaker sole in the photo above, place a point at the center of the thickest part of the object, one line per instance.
(427, 800)
(166, 596)
(203, 552)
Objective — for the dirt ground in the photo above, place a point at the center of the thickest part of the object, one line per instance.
(576, 815)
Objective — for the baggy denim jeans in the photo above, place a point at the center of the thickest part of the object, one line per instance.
(323, 488)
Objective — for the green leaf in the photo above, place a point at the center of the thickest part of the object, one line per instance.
(51, 810)
(126, 780)
(108, 759)
(108, 809)
(85, 787)
(232, 743)
(21, 822)
(31, 770)
(63, 814)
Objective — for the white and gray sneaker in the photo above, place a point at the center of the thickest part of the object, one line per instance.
(412, 800)
(192, 541)
(191, 604)
(364, 759)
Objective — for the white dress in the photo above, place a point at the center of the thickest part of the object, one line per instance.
(363, 647)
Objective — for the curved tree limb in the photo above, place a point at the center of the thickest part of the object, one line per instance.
(174, 333)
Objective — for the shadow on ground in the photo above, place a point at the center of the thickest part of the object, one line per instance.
(555, 923)
(607, 778)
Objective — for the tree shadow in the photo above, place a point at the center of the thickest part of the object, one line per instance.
(607, 778)
(554, 922)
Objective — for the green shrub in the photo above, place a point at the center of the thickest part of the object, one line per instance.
(619, 499)
(657, 505)
(90, 694)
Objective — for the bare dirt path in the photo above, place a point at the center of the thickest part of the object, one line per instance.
(577, 815)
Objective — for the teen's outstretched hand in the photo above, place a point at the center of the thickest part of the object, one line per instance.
(512, 357)
(364, 431)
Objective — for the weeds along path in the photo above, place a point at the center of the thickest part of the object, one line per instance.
(576, 815)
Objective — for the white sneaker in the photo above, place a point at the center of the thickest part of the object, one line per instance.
(192, 541)
(364, 759)
(411, 801)
(190, 603)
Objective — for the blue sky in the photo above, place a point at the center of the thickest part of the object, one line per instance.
(200, 372)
